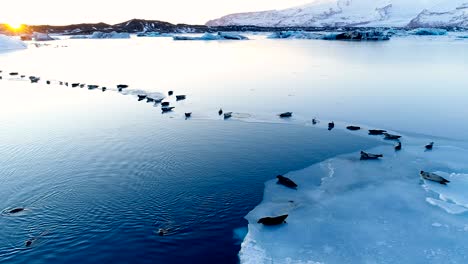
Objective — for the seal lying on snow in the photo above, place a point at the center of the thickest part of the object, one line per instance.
(368, 156)
(278, 220)
(434, 177)
(286, 181)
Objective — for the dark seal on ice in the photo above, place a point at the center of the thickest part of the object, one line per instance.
(277, 220)
(286, 182)
(353, 128)
(376, 132)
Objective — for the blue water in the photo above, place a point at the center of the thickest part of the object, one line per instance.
(100, 174)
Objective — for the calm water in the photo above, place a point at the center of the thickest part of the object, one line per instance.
(100, 173)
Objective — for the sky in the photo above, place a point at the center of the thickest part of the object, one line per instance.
(63, 12)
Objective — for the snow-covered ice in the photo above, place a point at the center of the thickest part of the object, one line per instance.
(9, 43)
(351, 211)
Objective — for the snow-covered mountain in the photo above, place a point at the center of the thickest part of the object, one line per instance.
(367, 13)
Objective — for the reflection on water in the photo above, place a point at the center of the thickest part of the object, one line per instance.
(367, 83)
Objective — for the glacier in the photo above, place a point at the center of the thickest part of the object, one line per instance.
(357, 13)
(9, 43)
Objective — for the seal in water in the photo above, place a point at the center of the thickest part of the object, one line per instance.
(314, 121)
(331, 125)
(162, 231)
(16, 210)
(278, 220)
(430, 146)
(286, 182)
(398, 146)
(369, 156)
(353, 128)
(220, 112)
(434, 177)
(376, 132)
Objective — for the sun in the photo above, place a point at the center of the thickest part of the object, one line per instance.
(15, 26)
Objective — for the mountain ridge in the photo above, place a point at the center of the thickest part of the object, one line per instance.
(357, 13)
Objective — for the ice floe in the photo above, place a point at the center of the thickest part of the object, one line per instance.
(9, 43)
(380, 211)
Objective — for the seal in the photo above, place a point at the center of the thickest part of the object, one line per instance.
(369, 156)
(286, 182)
(391, 137)
(433, 177)
(353, 128)
(277, 220)
(398, 146)
(16, 210)
(285, 114)
(220, 112)
(331, 125)
(376, 132)
(187, 115)
(429, 146)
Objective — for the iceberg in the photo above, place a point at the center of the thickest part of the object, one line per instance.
(37, 36)
(351, 211)
(209, 36)
(294, 35)
(102, 35)
(111, 35)
(154, 34)
(8, 43)
(428, 32)
(358, 35)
